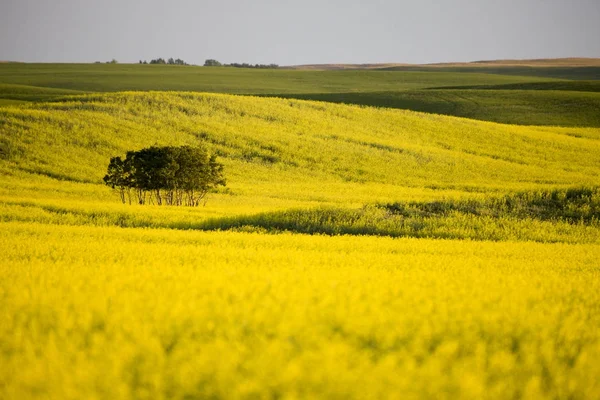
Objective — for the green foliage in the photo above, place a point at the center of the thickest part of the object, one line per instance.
(118, 176)
(167, 175)
(573, 205)
(246, 65)
(212, 63)
(170, 61)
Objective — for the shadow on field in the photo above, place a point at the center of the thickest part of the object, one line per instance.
(568, 215)
(554, 72)
(570, 86)
(554, 104)
(541, 216)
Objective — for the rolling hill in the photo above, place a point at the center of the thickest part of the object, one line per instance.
(356, 251)
(552, 104)
(367, 145)
(478, 92)
(123, 77)
(279, 155)
(543, 62)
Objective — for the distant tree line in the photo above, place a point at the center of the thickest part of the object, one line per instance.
(170, 61)
(215, 63)
(165, 175)
(246, 65)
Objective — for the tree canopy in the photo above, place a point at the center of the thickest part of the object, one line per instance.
(165, 175)
(212, 63)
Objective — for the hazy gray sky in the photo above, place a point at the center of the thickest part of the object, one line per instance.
(297, 31)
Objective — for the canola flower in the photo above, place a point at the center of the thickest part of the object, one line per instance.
(92, 312)
(278, 155)
(291, 149)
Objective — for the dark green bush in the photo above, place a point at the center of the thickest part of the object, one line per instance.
(165, 175)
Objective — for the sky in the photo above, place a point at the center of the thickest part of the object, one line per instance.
(298, 31)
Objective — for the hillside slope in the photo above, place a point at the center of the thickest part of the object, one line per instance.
(121, 77)
(274, 140)
(545, 63)
(546, 72)
(287, 159)
(539, 106)
(474, 93)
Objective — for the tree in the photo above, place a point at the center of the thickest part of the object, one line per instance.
(165, 175)
(212, 63)
(170, 61)
(118, 177)
(246, 65)
(198, 173)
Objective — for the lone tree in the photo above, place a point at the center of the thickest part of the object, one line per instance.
(165, 175)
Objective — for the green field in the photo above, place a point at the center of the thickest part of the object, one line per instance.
(483, 93)
(356, 251)
(33, 93)
(112, 78)
(552, 72)
(507, 106)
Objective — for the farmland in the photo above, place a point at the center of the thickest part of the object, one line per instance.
(356, 251)
(555, 96)
(114, 313)
(112, 78)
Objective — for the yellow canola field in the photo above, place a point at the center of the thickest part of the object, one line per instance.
(111, 313)
(92, 311)
(287, 152)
